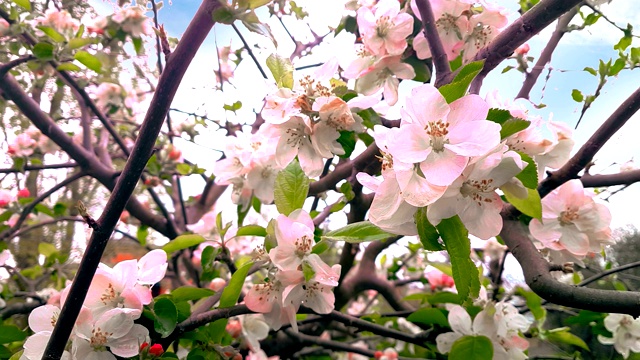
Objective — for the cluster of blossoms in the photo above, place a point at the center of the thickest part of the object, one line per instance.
(60, 20)
(464, 27)
(112, 97)
(452, 160)
(304, 121)
(131, 20)
(105, 327)
(626, 333)
(30, 141)
(500, 322)
(297, 276)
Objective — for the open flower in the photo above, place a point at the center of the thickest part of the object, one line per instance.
(626, 333)
(384, 28)
(384, 74)
(572, 220)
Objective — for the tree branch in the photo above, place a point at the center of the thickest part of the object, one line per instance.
(622, 178)
(168, 83)
(438, 54)
(519, 32)
(537, 275)
(545, 57)
(585, 155)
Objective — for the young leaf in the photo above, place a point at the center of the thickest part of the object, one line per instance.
(166, 316)
(531, 206)
(231, 293)
(534, 303)
(291, 188)
(251, 230)
(68, 67)
(471, 348)
(528, 175)
(513, 126)
(427, 232)
(11, 333)
(188, 293)
(88, 60)
(565, 337)
(282, 70)
(25, 4)
(456, 240)
(429, 316)
(362, 231)
(52, 33)
(43, 51)
(458, 87)
(183, 242)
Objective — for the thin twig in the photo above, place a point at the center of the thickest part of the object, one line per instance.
(439, 56)
(248, 48)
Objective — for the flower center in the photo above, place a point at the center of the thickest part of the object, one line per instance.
(447, 24)
(99, 338)
(438, 130)
(296, 136)
(303, 246)
(476, 189)
(382, 26)
(568, 216)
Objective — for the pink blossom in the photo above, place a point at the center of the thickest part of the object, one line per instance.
(451, 23)
(5, 197)
(22, 145)
(522, 50)
(384, 74)
(384, 28)
(626, 333)
(572, 221)
(294, 235)
(133, 21)
(442, 137)
(60, 20)
(439, 280)
(473, 195)
(482, 29)
(4, 27)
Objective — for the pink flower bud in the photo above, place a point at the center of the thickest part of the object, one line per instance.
(523, 50)
(217, 284)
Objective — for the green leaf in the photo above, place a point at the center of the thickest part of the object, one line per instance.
(11, 333)
(534, 303)
(577, 95)
(291, 188)
(166, 316)
(229, 298)
(208, 263)
(47, 249)
(254, 25)
(142, 233)
(565, 337)
(624, 43)
(183, 169)
(443, 297)
(233, 107)
(88, 60)
(456, 240)
(52, 33)
(348, 141)
(43, 51)
(499, 116)
(76, 43)
(68, 67)
(282, 70)
(307, 271)
(183, 242)
(531, 206)
(513, 126)
(528, 175)
(471, 348)
(458, 87)
(252, 230)
(138, 45)
(5, 216)
(362, 231)
(591, 71)
(429, 316)
(617, 66)
(232, 291)
(254, 4)
(224, 15)
(427, 232)
(26, 4)
(187, 293)
(320, 247)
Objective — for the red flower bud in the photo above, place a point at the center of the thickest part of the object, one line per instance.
(24, 193)
(156, 350)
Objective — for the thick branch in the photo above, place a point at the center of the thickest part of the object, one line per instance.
(39, 167)
(516, 34)
(585, 155)
(168, 84)
(438, 54)
(545, 56)
(622, 178)
(537, 275)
